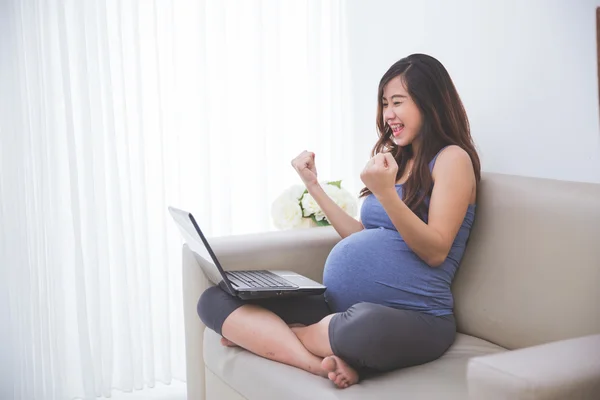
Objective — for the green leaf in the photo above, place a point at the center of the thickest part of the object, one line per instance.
(336, 183)
(300, 202)
(322, 222)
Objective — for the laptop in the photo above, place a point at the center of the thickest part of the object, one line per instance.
(246, 285)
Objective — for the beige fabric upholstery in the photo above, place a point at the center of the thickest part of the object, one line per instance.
(568, 369)
(194, 283)
(531, 271)
(217, 389)
(303, 250)
(259, 378)
(530, 276)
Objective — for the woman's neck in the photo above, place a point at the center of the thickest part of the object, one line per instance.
(416, 145)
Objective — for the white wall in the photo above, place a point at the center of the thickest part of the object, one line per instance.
(526, 71)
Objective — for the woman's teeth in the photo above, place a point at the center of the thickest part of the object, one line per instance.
(396, 128)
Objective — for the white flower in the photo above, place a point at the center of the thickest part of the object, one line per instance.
(342, 198)
(310, 206)
(295, 191)
(286, 211)
(295, 207)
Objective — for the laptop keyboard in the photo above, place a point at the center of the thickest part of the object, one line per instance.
(261, 279)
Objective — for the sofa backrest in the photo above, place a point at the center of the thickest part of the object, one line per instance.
(531, 271)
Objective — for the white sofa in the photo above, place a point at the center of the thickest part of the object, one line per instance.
(527, 300)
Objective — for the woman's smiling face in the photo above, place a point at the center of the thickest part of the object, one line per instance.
(400, 112)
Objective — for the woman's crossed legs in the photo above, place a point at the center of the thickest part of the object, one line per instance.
(366, 337)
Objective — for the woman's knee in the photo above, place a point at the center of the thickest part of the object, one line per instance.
(214, 306)
(382, 338)
(355, 335)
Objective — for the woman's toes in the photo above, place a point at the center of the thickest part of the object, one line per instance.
(328, 364)
(339, 372)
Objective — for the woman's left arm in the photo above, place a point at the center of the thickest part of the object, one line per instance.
(454, 182)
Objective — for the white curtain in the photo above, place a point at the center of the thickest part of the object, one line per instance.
(112, 110)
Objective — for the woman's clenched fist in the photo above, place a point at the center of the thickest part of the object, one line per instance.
(379, 174)
(304, 164)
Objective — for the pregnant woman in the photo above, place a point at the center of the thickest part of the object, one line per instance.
(388, 302)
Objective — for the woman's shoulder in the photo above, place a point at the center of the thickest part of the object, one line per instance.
(454, 169)
(452, 157)
(452, 150)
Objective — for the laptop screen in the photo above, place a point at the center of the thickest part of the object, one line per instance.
(194, 241)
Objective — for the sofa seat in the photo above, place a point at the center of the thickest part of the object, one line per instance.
(254, 377)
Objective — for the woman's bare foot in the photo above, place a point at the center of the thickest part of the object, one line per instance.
(227, 343)
(339, 372)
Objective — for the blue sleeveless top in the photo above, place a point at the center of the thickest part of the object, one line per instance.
(376, 265)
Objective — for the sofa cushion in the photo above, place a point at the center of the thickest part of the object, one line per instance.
(257, 378)
(531, 269)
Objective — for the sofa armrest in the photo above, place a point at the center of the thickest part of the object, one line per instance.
(303, 251)
(194, 284)
(300, 250)
(566, 369)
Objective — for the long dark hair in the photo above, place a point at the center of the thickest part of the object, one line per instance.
(444, 122)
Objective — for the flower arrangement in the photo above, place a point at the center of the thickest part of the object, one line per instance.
(296, 208)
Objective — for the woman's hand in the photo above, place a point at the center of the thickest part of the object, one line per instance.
(304, 164)
(379, 175)
(343, 223)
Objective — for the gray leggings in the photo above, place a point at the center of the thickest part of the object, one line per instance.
(370, 337)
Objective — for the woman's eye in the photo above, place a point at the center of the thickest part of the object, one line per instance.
(385, 105)
(397, 103)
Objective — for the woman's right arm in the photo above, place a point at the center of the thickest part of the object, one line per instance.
(341, 221)
(344, 224)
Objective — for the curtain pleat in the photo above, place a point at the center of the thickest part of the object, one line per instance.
(110, 111)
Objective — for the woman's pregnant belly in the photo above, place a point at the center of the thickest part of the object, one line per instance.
(376, 266)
